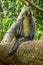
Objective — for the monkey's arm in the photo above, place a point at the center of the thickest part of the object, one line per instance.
(18, 28)
(33, 28)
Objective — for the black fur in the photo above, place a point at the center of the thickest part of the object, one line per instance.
(19, 33)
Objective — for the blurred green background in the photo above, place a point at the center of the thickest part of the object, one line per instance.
(10, 9)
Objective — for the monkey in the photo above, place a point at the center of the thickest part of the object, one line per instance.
(24, 28)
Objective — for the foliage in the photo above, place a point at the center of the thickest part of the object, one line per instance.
(10, 9)
(39, 20)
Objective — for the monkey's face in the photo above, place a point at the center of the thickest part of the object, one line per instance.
(28, 14)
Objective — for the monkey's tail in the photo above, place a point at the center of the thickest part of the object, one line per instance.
(14, 49)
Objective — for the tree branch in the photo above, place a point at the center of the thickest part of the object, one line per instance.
(33, 5)
(28, 53)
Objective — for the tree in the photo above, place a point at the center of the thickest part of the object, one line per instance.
(28, 53)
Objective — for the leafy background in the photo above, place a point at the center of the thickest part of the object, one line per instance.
(10, 9)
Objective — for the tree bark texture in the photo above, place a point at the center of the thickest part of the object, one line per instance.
(28, 53)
